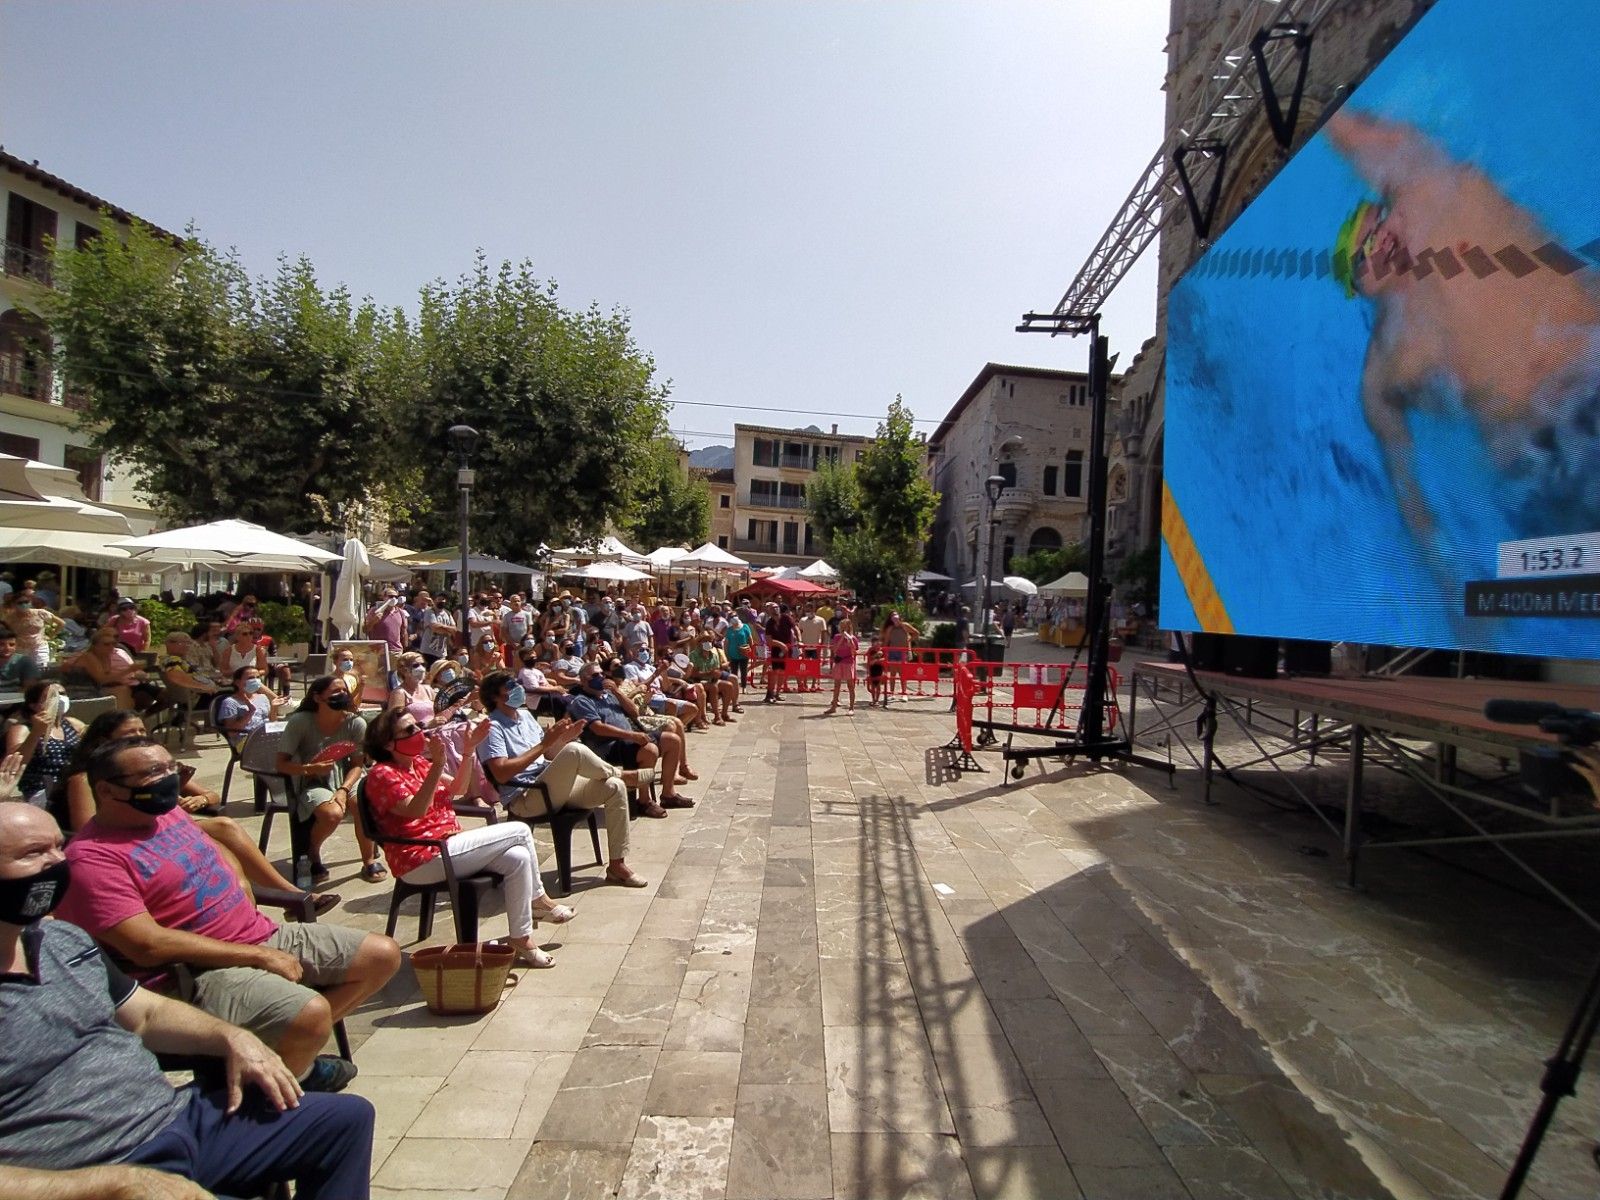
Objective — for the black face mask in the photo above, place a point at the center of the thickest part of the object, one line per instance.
(619, 675)
(339, 702)
(158, 798)
(23, 901)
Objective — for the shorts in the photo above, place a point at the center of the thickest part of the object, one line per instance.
(267, 1004)
(309, 799)
(896, 656)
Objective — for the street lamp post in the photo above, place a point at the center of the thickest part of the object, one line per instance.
(992, 486)
(464, 440)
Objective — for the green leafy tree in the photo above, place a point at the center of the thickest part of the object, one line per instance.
(227, 397)
(874, 515)
(833, 502)
(1139, 577)
(670, 508)
(566, 404)
(897, 501)
(1043, 566)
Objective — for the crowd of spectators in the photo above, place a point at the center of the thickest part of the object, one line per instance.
(156, 945)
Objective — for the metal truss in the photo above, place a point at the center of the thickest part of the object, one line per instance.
(1233, 96)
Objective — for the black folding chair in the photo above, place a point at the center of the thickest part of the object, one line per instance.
(462, 889)
(562, 821)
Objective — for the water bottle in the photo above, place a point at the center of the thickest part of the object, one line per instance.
(302, 872)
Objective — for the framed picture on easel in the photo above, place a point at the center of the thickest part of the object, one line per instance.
(371, 665)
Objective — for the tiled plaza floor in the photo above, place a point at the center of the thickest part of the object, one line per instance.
(855, 975)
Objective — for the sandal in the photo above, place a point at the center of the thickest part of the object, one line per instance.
(321, 902)
(532, 956)
(556, 914)
(374, 871)
(632, 879)
(675, 802)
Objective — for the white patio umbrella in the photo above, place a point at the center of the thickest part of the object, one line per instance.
(606, 572)
(1023, 587)
(235, 545)
(61, 513)
(345, 615)
(818, 570)
(30, 479)
(63, 548)
(710, 557)
(1073, 583)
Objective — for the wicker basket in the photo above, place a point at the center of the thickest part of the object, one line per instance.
(467, 977)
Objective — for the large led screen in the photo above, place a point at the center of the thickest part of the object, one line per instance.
(1383, 381)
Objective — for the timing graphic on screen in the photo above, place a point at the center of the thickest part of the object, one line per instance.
(1383, 381)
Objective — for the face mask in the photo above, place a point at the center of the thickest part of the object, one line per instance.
(489, 647)
(462, 659)
(347, 664)
(414, 674)
(447, 676)
(411, 745)
(252, 685)
(154, 799)
(705, 647)
(735, 623)
(645, 658)
(339, 701)
(517, 695)
(23, 901)
(597, 683)
(63, 703)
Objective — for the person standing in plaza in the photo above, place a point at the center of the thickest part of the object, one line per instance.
(844, 650)
(813, 631)
(897, 636)
(386, 622)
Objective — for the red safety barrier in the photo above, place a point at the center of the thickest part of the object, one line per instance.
(931, 671)
(1043, 696)
(966, 689)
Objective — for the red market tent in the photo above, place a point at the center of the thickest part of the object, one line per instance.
(785, 589)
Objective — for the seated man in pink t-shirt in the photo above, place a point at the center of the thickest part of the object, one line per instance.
(149, 885)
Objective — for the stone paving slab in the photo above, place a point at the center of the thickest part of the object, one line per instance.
(858, 974)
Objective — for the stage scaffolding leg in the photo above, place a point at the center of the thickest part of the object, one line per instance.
(1208, 722)
(1352, 803)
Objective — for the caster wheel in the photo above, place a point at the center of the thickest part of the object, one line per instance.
(1018, 771)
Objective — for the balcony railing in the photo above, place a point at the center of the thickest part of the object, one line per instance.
(23, 377)
(24, 262)
(795, 462)
(770, 500)
(755, 546)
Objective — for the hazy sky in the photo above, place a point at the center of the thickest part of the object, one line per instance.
(804, 206)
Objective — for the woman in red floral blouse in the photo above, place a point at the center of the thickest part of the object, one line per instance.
(411, 796)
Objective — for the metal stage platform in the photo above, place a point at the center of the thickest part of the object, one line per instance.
(1418, 728)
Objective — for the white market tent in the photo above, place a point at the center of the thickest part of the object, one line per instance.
(606, 572)
(931, 577)
(1073, 583)
(818, 570)
(227, 545)
(710, 557)
(665, 556)
(607, 548)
